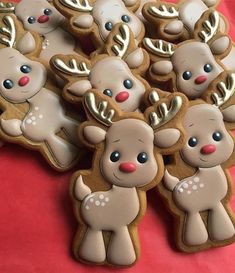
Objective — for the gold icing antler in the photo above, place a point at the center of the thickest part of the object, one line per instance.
(226, 91)
(163, 12)
(122, 40)
(160, 48)
(163, 114)
(9, 31)
(6, 7)
(100, 112)
(210, 27)
(73, 68)
(78, 5)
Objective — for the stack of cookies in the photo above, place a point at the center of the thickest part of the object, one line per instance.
(148, 88)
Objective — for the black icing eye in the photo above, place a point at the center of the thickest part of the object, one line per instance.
(192, 142)
(128, 84)
(108, 93)
(115, 156)
(142, 158)
(217, 136)
(25, 69)
(108, 26)
(31, 20)
(208, 68)
(8, 84)
(187, 75)
(47, 11)
(125, 18)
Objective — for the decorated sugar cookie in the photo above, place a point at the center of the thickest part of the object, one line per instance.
(98, 17)
(41, 17)
(109, 200)
(33, 113)
(198, 190)
(115, 72)
(192, 65)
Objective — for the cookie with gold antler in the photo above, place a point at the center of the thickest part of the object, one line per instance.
(116, 71)
(34, 115)
(127, 162)
(190, 66)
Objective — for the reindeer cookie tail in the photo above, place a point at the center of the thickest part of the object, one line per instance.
(11, 127)
(80, 189)
(170, 181)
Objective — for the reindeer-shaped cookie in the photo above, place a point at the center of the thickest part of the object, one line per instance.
(116, 72)
(41, 17)
(192, 65)
(109, 199)
(201, 185)
(33, 113)
(176, 22)
(98, 17)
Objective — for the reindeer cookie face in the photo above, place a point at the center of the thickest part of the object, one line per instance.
(127, 163)
(116, 73)
(20, 77)
(100, 16)
(200, 185)
(39, 16)
(190, 66)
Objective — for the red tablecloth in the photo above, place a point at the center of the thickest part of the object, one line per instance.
(37, 224)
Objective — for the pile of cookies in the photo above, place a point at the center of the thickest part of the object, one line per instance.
(148, 87)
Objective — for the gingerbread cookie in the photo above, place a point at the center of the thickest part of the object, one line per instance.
(199, 189)
(192, 65)
(116, 71)
(41, 17)
(127, 162)
(33, 112)
(96, 18)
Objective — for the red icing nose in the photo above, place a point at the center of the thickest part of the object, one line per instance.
(200, 79)
(208, 149)
(127, 167)
(122, 96)
(23, 81)
(43, 19)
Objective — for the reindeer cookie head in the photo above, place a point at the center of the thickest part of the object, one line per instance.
(115, 73)
(209, 143)
(39, 16)
(191, 65)
(20, 77)
(131, 145)
(101, 16)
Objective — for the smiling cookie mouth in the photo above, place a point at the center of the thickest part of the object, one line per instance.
(203, 159)
(116, 177)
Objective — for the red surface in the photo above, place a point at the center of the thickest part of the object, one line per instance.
(37, 224)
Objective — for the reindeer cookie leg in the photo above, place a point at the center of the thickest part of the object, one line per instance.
(121, 250)
(195, 232)
(220, 225)
(92, 248)
(63, 151)
(71, 128)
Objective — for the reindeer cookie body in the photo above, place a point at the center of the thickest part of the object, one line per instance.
(99, 17)
(115, 73)
(209, 147)
(190, 66)
(24, 80)
(41, 17)
(127, 163)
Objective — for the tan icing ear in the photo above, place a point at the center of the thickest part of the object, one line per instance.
(166, 138)
(229, 114)
(162, 68)
(26, 44)
(210, 3)
(94, 134)
(84, 21)
(135, 58)
(130, 3)
(79, 88)
(175, 27)
(220, 45)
